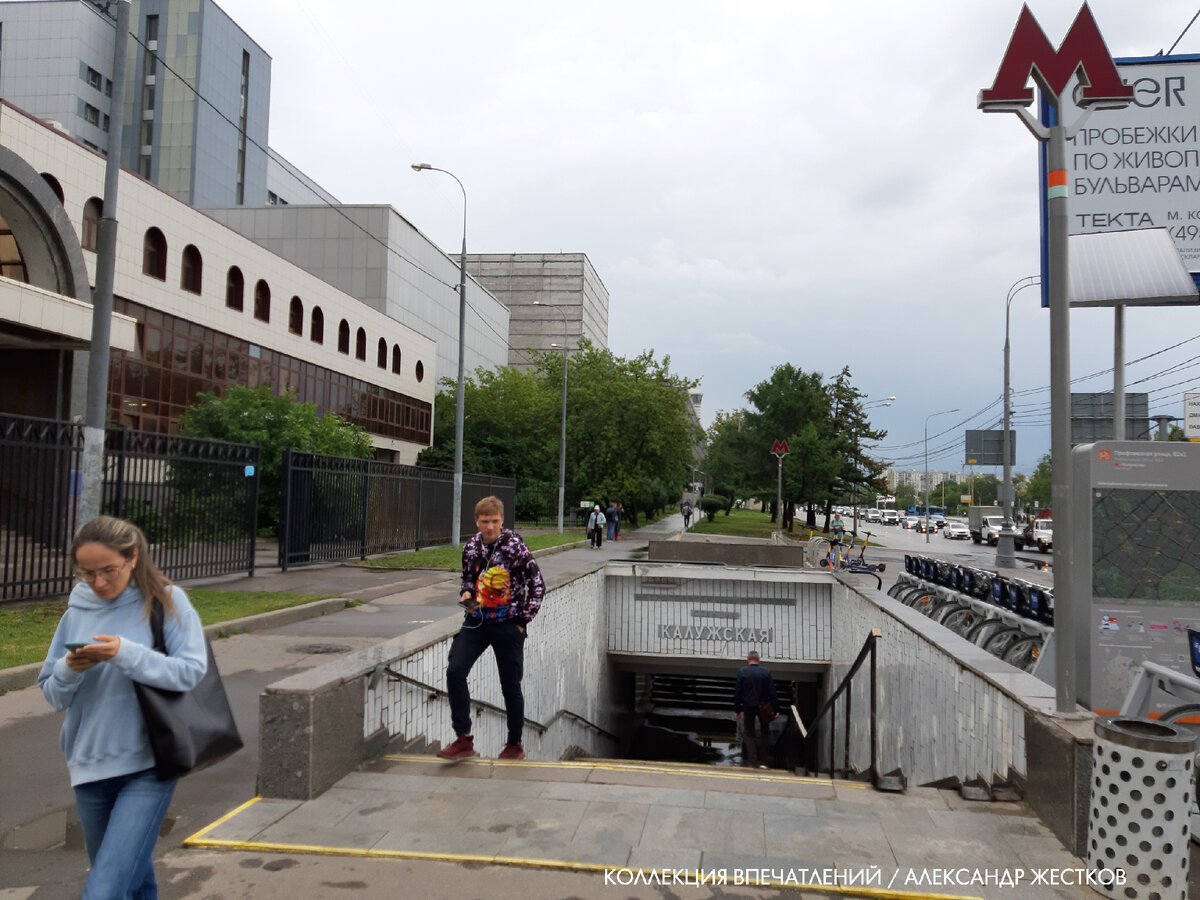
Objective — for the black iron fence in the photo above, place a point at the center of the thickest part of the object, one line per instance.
(195, 499)
(332, 507)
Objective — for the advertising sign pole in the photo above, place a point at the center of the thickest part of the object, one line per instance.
(1030, 52)
(780, 450)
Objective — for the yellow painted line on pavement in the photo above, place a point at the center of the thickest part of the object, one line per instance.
(605, 766)
(643, 876)
(221, 821)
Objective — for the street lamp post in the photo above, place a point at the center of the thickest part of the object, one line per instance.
(562, 440)
(456, 512)
(1006, 543)
(944, 412)
(887, 401)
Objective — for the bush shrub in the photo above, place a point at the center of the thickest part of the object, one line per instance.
(711, 504)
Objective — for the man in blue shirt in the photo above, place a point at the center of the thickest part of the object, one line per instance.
(754, 693)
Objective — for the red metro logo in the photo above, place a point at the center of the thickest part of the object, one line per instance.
(1030, 53)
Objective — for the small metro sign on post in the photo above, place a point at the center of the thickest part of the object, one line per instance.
(780, 450)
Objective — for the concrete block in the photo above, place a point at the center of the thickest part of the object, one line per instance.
(1058, 752)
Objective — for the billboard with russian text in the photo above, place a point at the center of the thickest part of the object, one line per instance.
(1139, 167)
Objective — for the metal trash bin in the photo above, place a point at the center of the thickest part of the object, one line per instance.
(1143, 776)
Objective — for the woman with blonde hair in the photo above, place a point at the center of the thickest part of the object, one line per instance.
(103, 644)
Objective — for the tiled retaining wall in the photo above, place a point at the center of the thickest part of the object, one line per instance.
(680, 610)
(565, 669)
(946, 707)
(318, 725)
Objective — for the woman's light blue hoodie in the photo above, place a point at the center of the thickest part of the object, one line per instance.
(103, 735)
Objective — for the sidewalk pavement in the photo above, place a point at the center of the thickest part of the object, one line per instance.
(478, 828)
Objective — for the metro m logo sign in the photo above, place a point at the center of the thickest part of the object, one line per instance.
(1029, 52)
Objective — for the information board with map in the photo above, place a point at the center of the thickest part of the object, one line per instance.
(1143, 553)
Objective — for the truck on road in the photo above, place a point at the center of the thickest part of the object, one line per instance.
(984, 523)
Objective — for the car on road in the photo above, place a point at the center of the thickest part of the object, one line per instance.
(872, 515)
(956, 531)
(889, 517)
(932, 527)
(910, 523)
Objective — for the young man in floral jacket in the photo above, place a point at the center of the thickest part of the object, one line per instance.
(502, 590)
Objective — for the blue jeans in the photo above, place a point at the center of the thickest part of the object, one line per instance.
(612, 529)
(121, 817)
(508, 644)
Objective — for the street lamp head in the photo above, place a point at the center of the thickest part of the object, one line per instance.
(417, 167)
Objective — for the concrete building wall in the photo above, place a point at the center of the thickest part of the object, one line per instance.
(46, 50)
(194, 146)
(565, 281)
(142, 205)
(287, 184)
(374, 254)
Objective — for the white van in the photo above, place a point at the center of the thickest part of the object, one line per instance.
(889, 517)
(872, 515)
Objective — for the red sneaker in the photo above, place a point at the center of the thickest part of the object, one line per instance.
(462, 748)
(512, 751)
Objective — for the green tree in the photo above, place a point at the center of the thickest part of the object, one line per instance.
(258, 416)
(510, 426)
(1038, 487)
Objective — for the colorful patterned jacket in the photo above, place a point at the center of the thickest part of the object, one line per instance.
(504, 577)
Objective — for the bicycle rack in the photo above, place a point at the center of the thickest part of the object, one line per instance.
(1003, 604)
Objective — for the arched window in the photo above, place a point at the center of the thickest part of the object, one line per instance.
(420, 371)
(193, 268)
(54, 185)
(296, 316)
(360, 344)
(89, 238)
(381, 354)
(396, 359)
(154, 254)
(344, 337)
(316, 326)
(235, 288)
(262, 301)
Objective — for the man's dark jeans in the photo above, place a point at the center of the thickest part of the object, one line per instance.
(508, 644)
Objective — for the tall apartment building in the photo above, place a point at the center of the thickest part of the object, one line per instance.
(552, 297)
(197, 93)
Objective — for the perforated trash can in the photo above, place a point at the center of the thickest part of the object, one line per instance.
(1143, 776)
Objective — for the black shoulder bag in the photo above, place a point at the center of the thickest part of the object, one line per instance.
(188, 730)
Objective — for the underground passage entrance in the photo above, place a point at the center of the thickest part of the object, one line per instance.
(679, 717)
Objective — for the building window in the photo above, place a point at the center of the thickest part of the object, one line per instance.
(360, 344)
(89, 238)
(243, 112)
(192, 270)
(104, 123)
(154, 254)
(316, 326)
(296, 316)
(344, 337)
(262, 301)
(235, 288)
(54, 185)
(94, 78)
(381, 354)
(420, 371)
(396, 359)
(91, 115)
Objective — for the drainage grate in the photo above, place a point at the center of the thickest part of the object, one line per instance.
(308, 649)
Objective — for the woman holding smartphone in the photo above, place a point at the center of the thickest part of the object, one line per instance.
(103, 644)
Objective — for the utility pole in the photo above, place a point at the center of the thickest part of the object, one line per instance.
(96, 409)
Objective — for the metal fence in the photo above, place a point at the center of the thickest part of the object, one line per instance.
(333, 508)
(195, 499)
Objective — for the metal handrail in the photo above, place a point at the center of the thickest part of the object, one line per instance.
(540, 727)
(868, 649)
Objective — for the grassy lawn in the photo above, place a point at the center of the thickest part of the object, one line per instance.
(25, 633)
(750, 523)
(744, 523)
(450, 558)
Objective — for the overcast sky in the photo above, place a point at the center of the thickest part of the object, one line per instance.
(755, 182)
